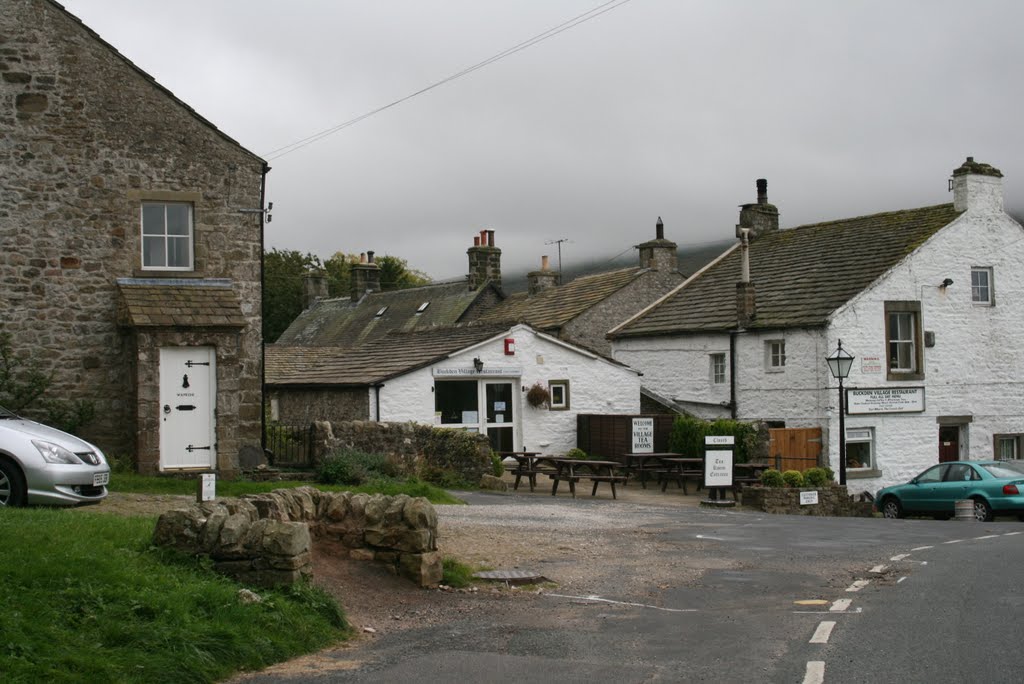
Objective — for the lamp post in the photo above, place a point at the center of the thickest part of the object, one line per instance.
(839, 362)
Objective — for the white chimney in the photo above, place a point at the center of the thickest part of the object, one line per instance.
(977, 188)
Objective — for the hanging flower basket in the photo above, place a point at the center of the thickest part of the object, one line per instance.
(538, 395)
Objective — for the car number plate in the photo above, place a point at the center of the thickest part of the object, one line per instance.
(100, 479)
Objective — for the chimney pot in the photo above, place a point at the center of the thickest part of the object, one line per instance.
(476, 240)
(362, 257)
(544, 263)
(369, 256)
(490, 238)
(659, 229)
(483, 238)
(762, 191)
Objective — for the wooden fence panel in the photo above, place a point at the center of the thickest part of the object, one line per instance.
(795, 448)
(610, 436)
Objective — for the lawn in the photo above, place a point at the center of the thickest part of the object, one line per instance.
(87, 598)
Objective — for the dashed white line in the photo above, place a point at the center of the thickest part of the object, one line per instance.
(878, 568)
(840, 605)
(953, 541)
(624, 603)
(900, 580)
(815, 673)
(988, 536)
(823, 632)
(1010, 534)
(899, 557)
(858, 585)
(923, 548)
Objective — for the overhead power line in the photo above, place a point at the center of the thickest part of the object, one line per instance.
(540, 37)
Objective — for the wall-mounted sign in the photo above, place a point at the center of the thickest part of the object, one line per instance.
(718, 468)
(643, 435)
(503, 371)
(719, 440)
(871, 364)
(808, 498)
(885, 400)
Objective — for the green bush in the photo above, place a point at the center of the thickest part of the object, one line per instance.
(772, 478)
(456, 574)
(497, 465)
(688, 435)
(446, 478)
(816, 477)
(793, 478)
(829, 473)
(352, 467)
(576, 453)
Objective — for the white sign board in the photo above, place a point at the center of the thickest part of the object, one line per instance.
(207, 488)
(885, 400)
(719, 440)
(808, 498)
(871, 364)
(643, 435)
(504, 371)
(718, 468)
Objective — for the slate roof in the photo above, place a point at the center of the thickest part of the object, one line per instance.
(800, 275)
(554, 307)
(171, 302)
(374, 361)
(343, 323)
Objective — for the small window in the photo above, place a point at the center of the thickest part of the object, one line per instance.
(775, 355)
(903, 340)
(381, 312)
(558, 390)
(456, 402)
(1007, 447)
(423, 307)
(718, 369)
(167, 236)
(860, 448)
(981, 286)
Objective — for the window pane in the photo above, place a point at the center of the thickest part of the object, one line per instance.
(177, 219)
(153, 254)
(177, 256)
(152, 219)
(499, 403)
(1007, 448)
(453, 398)
(858, 454)
(980, 283)
(558, 395)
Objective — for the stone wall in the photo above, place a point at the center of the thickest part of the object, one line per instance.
(78, 157)
(832, 501)
(302, 407)
(265, 539)
(418, 450)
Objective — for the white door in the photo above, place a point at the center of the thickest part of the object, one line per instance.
(188, 391)
(500, 418)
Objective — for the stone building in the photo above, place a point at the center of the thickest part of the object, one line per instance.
(130, 247)
(928, 301)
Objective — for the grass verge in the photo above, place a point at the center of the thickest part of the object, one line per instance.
(86, 598)
(143, 484)
(456, 573)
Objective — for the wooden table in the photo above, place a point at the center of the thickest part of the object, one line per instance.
(527, 463)
(572, 469)
(640, 462)
(680, 469)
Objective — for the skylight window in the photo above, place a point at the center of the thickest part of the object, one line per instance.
(381, 312)
(423, 307)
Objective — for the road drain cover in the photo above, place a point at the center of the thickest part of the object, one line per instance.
(511, 576)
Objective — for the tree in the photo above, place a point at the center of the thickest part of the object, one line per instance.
(339, 269)
(395, 274)
(283, 271)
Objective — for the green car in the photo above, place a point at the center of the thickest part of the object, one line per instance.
(994, 486)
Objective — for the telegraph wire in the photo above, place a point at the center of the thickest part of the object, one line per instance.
(540, 37)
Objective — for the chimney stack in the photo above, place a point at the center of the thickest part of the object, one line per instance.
(314, 288)
(484, 261)
(364, 277)
(977, 187)
(659, 254)
(746, 300)
(538, 281)
(761, 217)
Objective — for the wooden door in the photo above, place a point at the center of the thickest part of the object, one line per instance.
(949, 443)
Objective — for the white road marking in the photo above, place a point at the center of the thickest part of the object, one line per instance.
(701, 536)
(878, 569)
(855, 611)
(822, 633)
(1010, 534)
(922, 548)
(900, 580)
(840, 605)
(988, 536)
(624, 603)
(953, 541)
(815, 672)
(858, 585)
(899, 557)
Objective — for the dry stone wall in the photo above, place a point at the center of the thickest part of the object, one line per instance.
(265, 539)
(832, 501)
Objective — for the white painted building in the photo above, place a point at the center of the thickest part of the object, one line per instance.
(929, 301)
(472, 377)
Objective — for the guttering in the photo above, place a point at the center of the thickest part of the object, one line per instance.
(263, 283)
(377, 387)
(732, 373)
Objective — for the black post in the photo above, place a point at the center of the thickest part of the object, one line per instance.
(842, 434)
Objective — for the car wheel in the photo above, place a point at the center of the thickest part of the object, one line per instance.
(12, 488)
(982, 511)
(891, 508)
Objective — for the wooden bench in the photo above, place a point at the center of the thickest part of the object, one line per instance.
(572, 480)
(680, 477)
(610, 479)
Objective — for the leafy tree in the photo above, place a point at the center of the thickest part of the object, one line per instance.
(282, 291)
(395, 274)
(339, 270)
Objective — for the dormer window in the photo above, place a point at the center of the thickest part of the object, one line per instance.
(381, 312)
(423, 307)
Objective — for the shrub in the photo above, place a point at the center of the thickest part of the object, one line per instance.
(829, 473)
(772, 478)
(497, 465)
(575, 453)
(352, 467)
(688, 434)
(456, 574)
(453, 454)
(793, 478)
(816, 477)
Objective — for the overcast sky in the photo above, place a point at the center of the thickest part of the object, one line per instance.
(655, 108)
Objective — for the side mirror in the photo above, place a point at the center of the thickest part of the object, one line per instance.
(914, 481)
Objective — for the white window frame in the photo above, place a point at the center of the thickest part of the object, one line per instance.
(861, 435)
(775, 356)
(718, 368)
(981, 294)
(167, 238)
(1013, 440)
(553, 403)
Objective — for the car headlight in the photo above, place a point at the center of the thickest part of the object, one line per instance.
(55, 453)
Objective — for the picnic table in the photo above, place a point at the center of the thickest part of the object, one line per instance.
(681, 469)
(572, 469)
(528, 464)
(746, 474)
(641, 463)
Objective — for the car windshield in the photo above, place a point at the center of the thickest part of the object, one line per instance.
(4, 413)
(1007, 469)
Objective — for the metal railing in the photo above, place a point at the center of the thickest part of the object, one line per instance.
(289, 446)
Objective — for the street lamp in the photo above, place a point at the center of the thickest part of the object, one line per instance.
(839, 362)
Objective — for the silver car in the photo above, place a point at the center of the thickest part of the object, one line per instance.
(43, 465)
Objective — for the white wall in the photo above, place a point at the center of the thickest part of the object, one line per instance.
(595, 386)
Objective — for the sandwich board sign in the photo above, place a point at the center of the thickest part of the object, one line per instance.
(718, 460)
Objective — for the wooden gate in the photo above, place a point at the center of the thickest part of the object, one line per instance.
(794, 448)
(610, 436)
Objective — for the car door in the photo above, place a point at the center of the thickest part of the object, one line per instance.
(919, 496)
(955, 483)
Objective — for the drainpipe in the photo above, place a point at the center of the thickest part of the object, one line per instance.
(263, 285)
(377, 393)
(732, 374)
